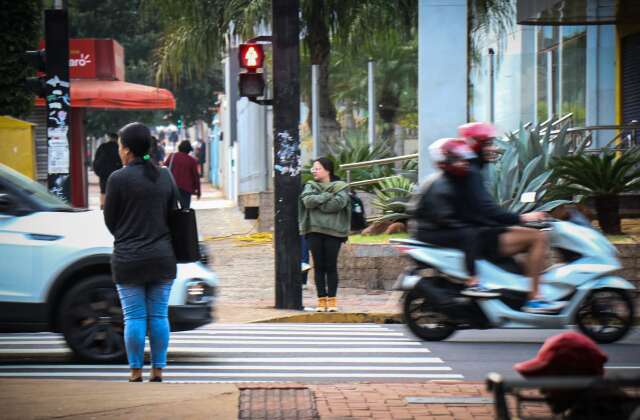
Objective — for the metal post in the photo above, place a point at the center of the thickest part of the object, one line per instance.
(492, 88)
(372, 103)
(549, 85)
(286, 142)
(315, 109)
(58, 99)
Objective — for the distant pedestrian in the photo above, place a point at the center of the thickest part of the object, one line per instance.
(185, 171)
(325, 219)
(201, 154)
(138, 201)
(105, 162)
(157, 151)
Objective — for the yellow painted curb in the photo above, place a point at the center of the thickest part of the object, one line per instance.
(338, 317)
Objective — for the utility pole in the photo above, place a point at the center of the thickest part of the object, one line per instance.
(286, 144)
(372, 103)
(58, 99)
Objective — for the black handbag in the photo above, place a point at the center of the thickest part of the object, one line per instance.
(184, 232)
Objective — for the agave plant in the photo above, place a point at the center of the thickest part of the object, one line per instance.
(525, 166)
(392, 198)
(602, 177)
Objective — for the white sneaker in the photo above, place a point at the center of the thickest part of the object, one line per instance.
(304, 267)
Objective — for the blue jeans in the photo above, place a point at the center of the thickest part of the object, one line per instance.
(144, 304)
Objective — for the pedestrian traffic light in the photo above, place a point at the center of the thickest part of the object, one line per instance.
(37, 60)
(251, 58)
(179, 123)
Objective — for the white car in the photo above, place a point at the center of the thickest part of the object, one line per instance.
(55, 274)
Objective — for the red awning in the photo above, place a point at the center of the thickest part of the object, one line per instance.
(114, 94)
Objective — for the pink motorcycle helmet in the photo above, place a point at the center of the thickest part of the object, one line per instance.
(477, 133)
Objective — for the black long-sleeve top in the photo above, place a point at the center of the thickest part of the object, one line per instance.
(136, 211)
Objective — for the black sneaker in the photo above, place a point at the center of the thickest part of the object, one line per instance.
(479, 291)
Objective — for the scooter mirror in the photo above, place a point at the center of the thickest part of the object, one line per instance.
(528, 197)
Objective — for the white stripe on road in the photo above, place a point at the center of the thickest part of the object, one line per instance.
(244, 375)
(246, 350)
(224, 341)
(181, 368)
(174, 336)
(381, 334)
(319, 359)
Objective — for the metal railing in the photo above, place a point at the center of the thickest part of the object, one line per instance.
(369, 163)
(628, 134)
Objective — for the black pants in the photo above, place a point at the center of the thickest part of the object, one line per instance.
(185, 198)
(325, 249)
(476, 243)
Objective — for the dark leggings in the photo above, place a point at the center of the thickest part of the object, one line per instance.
(325, 249)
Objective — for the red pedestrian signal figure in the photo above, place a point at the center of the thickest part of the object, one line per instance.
(251, 58)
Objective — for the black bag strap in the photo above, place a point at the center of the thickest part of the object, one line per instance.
(176, 192)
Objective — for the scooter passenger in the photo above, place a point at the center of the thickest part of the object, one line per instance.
(498, 233)
(440, 208)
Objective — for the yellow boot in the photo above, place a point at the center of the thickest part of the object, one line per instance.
(322, 304)
(332, 304)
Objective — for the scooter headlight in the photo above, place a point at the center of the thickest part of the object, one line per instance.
(199, 292)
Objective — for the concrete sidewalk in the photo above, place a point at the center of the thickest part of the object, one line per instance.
(38, 399)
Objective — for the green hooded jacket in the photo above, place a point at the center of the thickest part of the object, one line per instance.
(325, 208)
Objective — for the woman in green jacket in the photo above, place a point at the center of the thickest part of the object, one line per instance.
(325, 219)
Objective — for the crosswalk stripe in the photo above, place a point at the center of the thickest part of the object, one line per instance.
(204, 333)
(248, 350)
(316, 359)
(59, 338)
(245, 375)
(181, 368)
(224, 341)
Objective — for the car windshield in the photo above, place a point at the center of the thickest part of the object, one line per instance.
(33, 189)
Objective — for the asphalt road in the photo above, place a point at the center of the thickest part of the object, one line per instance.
(309, 353)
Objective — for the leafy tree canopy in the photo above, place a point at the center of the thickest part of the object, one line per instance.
(19, 32)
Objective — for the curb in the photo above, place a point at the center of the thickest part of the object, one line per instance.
(338, 318)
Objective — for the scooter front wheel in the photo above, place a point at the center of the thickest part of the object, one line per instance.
(606, 315)
(425, 321)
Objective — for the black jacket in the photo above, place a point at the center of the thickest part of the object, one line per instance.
(448, 202)
(107, 160)
(136, 211)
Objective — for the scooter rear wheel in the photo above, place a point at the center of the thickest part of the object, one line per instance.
(425, 321)
(606, 315)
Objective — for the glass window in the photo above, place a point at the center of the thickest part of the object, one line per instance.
(36, 191)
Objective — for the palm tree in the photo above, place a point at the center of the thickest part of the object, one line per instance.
(196, 35)
(602, 177)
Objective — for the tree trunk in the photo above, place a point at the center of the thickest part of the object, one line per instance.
(319, 46)
(608, 213)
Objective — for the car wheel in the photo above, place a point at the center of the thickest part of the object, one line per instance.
(606, 315)
(91, 320)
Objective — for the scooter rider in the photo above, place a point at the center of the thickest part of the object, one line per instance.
(440, 210)
(498, 233)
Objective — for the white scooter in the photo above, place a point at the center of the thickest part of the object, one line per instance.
(585, 284)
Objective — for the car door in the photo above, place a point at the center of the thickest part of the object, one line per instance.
(17, 252)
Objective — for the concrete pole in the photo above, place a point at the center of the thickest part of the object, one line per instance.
(492, 86)
(372, 103)
(315, 110)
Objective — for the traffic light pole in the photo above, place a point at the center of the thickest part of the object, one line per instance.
(286, 119)
(58, 101)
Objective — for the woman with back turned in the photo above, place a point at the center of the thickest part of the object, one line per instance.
(138, 201)
(325, 219)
